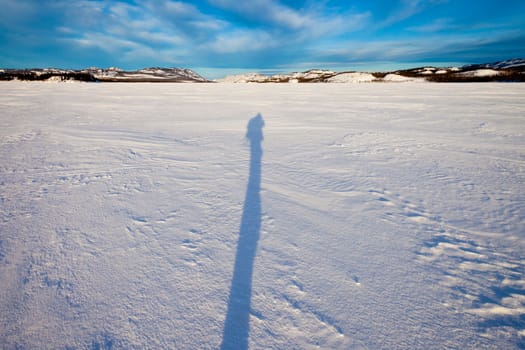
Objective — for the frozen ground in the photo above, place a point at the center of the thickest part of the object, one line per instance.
(352, 216)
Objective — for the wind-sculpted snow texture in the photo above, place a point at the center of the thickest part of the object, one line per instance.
(382, 216)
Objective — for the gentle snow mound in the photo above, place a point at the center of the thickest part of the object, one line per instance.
(481, 73)
(355, 77)
(243, 78)
(400, 79)
(56, 78)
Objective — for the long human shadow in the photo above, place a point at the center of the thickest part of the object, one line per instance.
(236, 327)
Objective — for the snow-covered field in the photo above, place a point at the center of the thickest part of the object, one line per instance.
(207, 216)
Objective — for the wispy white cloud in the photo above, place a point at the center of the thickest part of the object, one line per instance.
(428, 48)
(312, 20)
(437, 25)
(406, 10)
(268, 11)
(16, 12)
(241, 41)
(184, 18)
(162, 26)
(106, 43)
(449, 24)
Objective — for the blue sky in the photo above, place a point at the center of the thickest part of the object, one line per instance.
(217, 37)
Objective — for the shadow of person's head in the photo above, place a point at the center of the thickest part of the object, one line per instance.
(254, 129)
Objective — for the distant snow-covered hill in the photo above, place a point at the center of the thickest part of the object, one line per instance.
(516, 63)
(111, 74)
(153, 74)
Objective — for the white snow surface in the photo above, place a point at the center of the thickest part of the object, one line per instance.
(381, 216)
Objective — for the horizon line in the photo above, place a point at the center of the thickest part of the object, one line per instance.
(221, 72)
